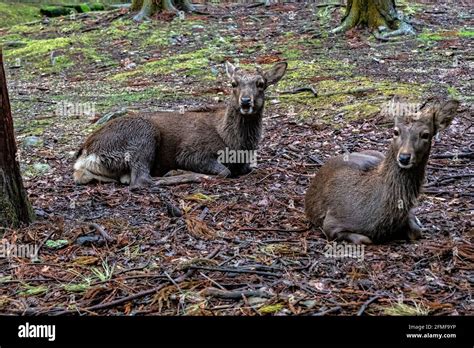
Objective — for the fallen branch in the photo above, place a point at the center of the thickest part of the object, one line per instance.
(182, 179)
(236, 294)
(102, 232)
(453, 156)
(330, 310)
(367, 304)
(235, 270)
(243, 229)
(301, 90)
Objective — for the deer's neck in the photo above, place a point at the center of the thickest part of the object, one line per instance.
(401, 186)
(241, 132)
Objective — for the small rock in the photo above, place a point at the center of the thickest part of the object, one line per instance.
(32, 141)
(41, 167)
(309, 303)
(263, 203)
(112, 115)
(256, 300)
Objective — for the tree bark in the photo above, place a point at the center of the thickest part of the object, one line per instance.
(147, 8)
(14, 205)
(377, 15)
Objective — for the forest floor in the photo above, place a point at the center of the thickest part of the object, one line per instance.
(243, 246)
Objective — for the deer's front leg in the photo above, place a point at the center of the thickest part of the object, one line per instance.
(211, 166)
(414, 227)
(240, 169)
(335, 230)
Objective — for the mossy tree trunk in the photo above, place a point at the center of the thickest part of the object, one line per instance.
(147, 8)
(14, 205)
(377, 15)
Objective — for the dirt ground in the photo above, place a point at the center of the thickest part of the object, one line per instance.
(243, 246)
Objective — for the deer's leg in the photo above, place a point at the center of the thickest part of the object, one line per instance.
(214, 167)
(240, 169)
(140, 166)
(414, 227)
(335, 230)
(198, 163)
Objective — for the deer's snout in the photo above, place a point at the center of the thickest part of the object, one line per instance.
(245, 101)
(404, 159)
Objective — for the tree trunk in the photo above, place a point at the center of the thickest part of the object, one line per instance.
(378, 15)
(148, 8)
(14, 205)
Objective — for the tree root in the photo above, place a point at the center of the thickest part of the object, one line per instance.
(404, 29)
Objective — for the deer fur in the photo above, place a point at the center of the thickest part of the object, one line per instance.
(368, 197)
(132, 148)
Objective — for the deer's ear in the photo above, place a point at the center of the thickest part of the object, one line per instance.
(274, 75)
(230, 69)
(444, 114)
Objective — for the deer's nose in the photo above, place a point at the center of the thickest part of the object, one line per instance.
(404, 158)
(245, 101)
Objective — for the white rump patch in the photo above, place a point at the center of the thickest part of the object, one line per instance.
(88, 168)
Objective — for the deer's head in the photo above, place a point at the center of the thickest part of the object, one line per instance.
(248, 89)
(414, 129)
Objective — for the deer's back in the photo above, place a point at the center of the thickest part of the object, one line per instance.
(348, 186)
(193, 132)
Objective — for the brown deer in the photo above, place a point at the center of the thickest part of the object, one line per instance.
(131, 148)
(368, 197)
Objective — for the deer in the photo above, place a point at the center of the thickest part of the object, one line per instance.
(133, 149)
(368, 197)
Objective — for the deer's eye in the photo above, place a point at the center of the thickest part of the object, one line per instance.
(425, 136)
(234, 84)
(260, 84)
(396, 132)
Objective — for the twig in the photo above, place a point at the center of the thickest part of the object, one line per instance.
(102, 232)
(236, 294)
(44, 241)
(272, 229)
(301, 90)
(330, 310)
(139, 294)
(469, 155)
(234, 270)
(366, 304)
(182, 179)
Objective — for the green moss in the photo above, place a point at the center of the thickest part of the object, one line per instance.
(159, 38)
(340, 95)
(39, 48)
(430, 37)
(439, 35)
(32, 127)
(80, 287)
(194, 64)
(453, 92)
(11, 14)
(22, 29)
(466, 33)
(292, 54)
(8, 216)
(31, 290)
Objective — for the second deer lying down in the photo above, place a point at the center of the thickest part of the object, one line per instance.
(131, 148)
(368, 197)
